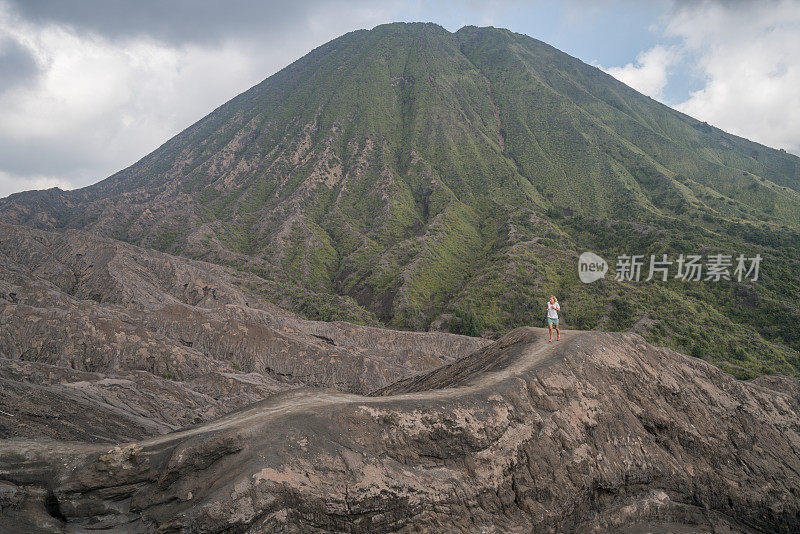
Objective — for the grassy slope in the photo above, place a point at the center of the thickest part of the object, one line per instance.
(640, 178)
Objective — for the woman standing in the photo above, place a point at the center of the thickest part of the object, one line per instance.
(552, 317)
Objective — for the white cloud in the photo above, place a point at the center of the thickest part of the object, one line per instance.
(649, 74)
(100, 102)
(749, 55)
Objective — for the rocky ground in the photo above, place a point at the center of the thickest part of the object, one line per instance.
(105, 341)
(596, 433)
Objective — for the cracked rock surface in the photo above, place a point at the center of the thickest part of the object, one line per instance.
(597, 433)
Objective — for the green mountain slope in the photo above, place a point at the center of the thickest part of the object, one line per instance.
(422, 178)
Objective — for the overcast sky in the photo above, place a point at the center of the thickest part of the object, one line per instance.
(89, 87)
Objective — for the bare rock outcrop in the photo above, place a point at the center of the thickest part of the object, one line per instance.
(596, 433)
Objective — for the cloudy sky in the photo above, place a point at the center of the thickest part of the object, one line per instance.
(89, 87)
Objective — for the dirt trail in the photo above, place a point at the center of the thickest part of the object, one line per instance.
(539, 352)
(305, 400)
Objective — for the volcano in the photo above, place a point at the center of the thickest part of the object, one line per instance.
(416, 176)
(311, 311)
